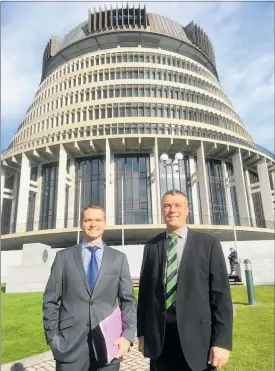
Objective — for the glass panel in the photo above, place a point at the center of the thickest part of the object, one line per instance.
(135, 172)
(177, 176)
(218, 208)
(49, 196)
(90, 174)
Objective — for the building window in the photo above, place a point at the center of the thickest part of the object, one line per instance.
(89, 183)
(271, 181)
(216, 192)
(49, 196)
(258, 209)
(33, 175)
(177, 176)
(6, 215)
(134, 172)
(257, 202)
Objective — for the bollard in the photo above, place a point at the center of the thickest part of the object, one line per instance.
(249, 282)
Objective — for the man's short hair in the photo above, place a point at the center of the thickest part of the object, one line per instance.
(174, 192)
(92, 207)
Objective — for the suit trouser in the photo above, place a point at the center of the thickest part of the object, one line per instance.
(86, 362)
(172, 357)
(83, 364)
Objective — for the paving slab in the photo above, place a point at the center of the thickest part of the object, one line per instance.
(45, 362)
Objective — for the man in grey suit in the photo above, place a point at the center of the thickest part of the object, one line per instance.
(84, 284)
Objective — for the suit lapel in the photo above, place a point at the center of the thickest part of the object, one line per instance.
(189, 245)
(106, 261)
(80, 266)
(162, 252)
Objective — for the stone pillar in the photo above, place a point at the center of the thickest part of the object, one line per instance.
(153, 187)
(195, 190)
(38, 199)
(2, 186)
(228, 201)
(157, 184)
(240, 189)
(110, 185)
(266, 193)
(249, 199)
(61, 194)
(71, 194)
(203, 183)
(23, 197)
(273, 179)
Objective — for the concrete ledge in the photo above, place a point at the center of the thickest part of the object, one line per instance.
(27, 362)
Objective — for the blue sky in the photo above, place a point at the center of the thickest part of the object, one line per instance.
(242, 34)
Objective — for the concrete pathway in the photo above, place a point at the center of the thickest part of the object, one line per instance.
(44, 362)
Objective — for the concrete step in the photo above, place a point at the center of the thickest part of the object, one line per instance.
(234, 281)
(135, 281)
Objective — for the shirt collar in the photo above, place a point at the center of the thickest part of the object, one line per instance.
(182, 232)
(100, 244)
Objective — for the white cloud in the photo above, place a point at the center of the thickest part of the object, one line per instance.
(238, 31)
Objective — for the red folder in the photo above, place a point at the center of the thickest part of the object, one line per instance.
(111, 328)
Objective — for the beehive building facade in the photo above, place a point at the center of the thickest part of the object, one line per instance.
(130, 106)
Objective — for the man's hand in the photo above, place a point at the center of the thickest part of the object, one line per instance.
(141, 345)
(124, 347)
(218, 356)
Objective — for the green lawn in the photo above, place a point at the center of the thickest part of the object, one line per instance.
(22, 332)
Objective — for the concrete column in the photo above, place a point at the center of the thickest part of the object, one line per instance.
(71, 194)
(158, 198)
(2, 186)
(227, 194)
(203, 183)
(38, 199)
(266, 193)
(273, 190)
(273, 178)
(240, 189)
(110, 185)
(153, 185)
(61, 195)
(249, 199)
(195, 190)
(23, 198)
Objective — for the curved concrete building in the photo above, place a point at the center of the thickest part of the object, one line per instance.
(119, 91)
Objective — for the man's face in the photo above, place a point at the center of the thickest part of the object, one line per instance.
(175, 211)
(93, 224)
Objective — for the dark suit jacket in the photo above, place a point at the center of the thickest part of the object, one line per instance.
(71, 311)
(203, 303)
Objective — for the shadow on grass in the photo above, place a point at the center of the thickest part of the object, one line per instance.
(3, 287)
(240, 303)
(18, 366)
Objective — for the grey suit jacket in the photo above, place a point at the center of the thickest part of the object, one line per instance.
(71, 311)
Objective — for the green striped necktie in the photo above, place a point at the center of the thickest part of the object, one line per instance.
(171, 270)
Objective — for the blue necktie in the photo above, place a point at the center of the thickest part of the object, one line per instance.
(92, 271)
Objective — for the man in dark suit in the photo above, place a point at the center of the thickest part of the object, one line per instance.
(85, 282)
(185, 310)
